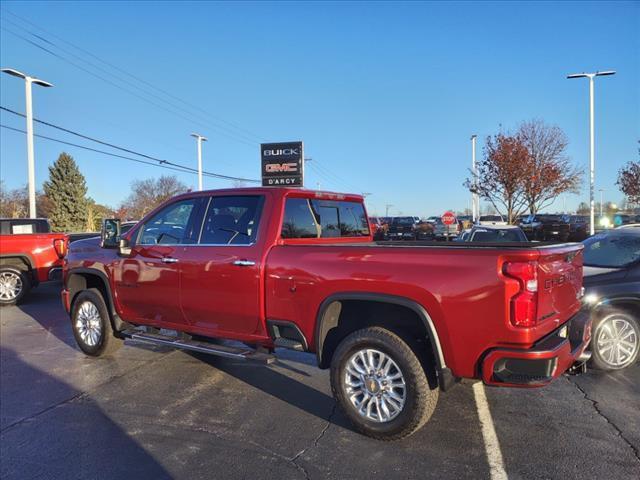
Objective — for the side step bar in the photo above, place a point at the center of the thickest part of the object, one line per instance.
(183, 342)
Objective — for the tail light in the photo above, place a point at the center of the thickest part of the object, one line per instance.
(60, 246)
(524, 305)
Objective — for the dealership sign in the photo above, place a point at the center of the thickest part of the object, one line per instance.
(282, 164)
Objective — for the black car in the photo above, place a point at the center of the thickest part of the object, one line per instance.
(578, 227)
(612, 291)
(544, 227)
(402, 228)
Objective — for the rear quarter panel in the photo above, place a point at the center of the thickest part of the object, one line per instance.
(37, 247)
(462, 290)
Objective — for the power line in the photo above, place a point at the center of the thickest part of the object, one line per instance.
(95, 150)
(226, 132)
(127, 150)
(105, 62)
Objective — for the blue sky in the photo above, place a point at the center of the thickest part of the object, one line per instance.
(384, 95)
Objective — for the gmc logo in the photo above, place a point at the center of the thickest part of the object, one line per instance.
(283, 151)
(281, 167)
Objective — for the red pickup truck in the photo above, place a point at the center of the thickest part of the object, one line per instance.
(29, 254)
(299, 269)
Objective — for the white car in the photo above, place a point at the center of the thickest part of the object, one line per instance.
(492, 220)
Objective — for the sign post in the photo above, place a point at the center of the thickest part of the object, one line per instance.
(282, 164)
(448, 218)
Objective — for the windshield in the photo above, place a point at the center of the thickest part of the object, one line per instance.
(548, 218)
(498, 236)
(403, 221)
(612, 251)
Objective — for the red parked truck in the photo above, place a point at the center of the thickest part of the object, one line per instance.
(395, 323)
(29, 254)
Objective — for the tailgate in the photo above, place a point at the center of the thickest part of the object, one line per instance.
(559, 282)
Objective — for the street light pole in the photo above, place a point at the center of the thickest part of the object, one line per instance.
(199, 140)
(387, 207)
(592, 153)
(31, 169)
(475, 204)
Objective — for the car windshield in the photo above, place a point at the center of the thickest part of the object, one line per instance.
(612, 250)
(498, 236)
(549, 218)
(403, 221)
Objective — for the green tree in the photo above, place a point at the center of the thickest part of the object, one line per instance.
(66, 189)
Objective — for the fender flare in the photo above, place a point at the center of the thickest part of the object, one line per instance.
(422, 313)
(117, 323)
(28, 259)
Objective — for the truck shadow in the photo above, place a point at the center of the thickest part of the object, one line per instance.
(52, 318)
(280, 386)
(50, 429)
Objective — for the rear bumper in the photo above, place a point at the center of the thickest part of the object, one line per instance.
(545, 361)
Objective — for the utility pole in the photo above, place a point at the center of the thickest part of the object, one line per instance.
(475, 202)
(199, 139)
(592, 153)
(31, 168)
(387, 207)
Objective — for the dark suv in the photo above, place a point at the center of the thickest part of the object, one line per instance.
(612, 283)
(544, 227)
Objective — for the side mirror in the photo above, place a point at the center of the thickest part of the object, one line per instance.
(110, 233)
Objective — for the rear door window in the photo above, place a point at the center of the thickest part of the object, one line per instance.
(232, 220)
(305, 218)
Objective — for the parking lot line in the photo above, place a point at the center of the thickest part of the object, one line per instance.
(491, 443)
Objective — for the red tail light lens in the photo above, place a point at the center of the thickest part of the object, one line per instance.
(524, 305)
(60, 246)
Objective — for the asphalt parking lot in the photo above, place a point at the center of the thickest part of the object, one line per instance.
(151, 412)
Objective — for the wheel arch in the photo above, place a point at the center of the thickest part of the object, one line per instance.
(22, 260)
(79, 279)
(328, 318)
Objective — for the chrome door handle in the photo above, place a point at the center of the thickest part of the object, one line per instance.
(169, 260)
(244, 263)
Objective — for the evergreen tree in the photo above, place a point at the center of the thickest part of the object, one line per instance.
(66, 190)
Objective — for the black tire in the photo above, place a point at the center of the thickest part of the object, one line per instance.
(16, 277)
(104, 342)
(600, 358)
(420, 397)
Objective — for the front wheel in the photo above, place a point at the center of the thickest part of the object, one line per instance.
(381, 385)
(14, 285)
(616, 340)
(91, 324)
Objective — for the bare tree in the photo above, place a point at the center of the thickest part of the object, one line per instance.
(148, 194)
(629, 181)
(550, 172)
(502, 174)
(15, 203)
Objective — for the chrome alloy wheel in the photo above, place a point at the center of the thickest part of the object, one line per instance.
(89, 323)
(617, 341)
(10, 285)
(375, 385)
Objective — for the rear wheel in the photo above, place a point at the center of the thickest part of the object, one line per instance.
(616, 340)
(381, 385)
(91, 324)
(14, 285)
